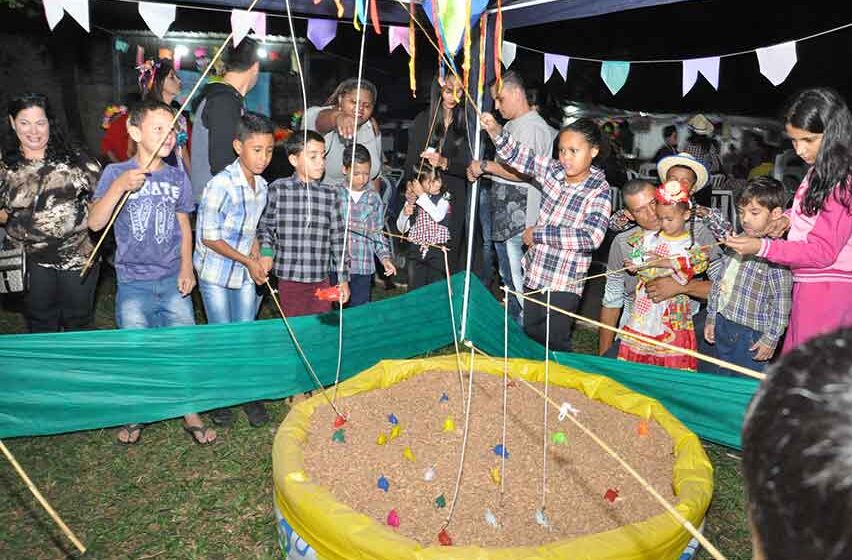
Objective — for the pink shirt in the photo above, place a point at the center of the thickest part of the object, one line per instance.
(818, 248)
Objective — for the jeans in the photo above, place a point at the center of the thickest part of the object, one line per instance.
(229, 305)
(148, 304)
(733, 342)
(486, 272)
(60, 299)
(510, 254)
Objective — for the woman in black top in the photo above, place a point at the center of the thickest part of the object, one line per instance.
(447, 148)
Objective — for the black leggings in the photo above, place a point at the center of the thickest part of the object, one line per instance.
(561, 326)
(425, 270)
(60, 299)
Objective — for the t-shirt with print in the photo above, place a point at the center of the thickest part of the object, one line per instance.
(515, 205)
(147, 233)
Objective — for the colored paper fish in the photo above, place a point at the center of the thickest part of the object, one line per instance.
(332, 293)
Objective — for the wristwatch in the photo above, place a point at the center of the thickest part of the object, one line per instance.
(483, 166)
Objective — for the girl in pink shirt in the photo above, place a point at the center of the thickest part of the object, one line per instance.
(818, 248)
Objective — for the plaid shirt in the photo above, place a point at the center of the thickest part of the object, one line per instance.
(759, 297)
(229, 211)
(571, 224)
(303, 225)
(365, 225)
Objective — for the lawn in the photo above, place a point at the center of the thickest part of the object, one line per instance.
(167, 498)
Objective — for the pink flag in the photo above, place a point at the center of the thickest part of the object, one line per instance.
(398, 36)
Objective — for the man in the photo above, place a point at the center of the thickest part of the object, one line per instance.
(669, 147)
(620, 287)
(218, 111)
(515, 198)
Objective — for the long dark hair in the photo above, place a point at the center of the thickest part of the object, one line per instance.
(458, 125)
(153, 89)
(823, 111)
(58, 148)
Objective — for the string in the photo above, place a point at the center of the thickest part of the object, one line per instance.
(546, 397)
(505, 392)
(645, 339)
(464, 443)
(453, 320)
(175, 119)
(609, 451)
(428, 139)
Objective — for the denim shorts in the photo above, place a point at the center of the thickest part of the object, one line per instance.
(148, 304)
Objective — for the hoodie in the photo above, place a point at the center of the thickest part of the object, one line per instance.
(217, 113)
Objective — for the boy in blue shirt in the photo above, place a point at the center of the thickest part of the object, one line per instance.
(226, 249)
(153, 259)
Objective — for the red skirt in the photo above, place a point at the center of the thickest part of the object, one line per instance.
(634, 350)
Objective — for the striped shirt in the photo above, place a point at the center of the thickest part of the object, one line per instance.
(229, 211)
(303, 225)
(365, 225)
(571, 224)
(754, 293)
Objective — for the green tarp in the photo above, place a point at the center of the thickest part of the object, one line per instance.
(54, 383)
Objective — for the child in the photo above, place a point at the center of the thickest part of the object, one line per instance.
(668, 252)
(227, 255)
(365, 211)
(748, 307)
(153, 258)
(426, 217)
(302, 228)
(818, 248)
(571, 224)
(797, 441)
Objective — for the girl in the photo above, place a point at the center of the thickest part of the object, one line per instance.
(159, 81)
(668, 252)
(425, 217)
(571, 224)
(818, 248)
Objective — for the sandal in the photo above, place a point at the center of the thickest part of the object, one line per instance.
(199, 433)
(130, 429)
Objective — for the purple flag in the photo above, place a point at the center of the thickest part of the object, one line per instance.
(557, 61)
(321, 31)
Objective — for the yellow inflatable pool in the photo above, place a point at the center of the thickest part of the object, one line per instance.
(313, 525)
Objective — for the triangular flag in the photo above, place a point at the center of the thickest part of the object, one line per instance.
(242, 21)
(777, 61)
(558, 61)
(451, 19)
(54, 10)
(709, 68)
(398, 36)
(158, 17)
(321, 31)
(507, 53)
(614, 74)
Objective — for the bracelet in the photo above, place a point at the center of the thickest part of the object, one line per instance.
(483, 166)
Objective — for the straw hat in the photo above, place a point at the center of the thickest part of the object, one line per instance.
(699, 124)
(685, 160)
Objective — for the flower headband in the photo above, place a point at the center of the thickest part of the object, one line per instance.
(147, 72)
(673, 192)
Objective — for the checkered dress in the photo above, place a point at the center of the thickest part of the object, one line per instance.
(304, 226)
(571, 224)
(427, 231)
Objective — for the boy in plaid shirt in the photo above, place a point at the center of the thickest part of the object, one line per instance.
(365, 211)
(302, 228)
(571, 225)
(749, 305)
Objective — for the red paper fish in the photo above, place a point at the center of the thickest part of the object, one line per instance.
(444, 538)
(339, 421)
(393, 518)
(332, 293)
(642, 429)
(611, 495)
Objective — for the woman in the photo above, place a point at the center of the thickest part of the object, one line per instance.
(348, 108)
(45, 189)
(446, 147)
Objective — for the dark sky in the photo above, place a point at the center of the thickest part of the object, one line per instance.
(693, 28)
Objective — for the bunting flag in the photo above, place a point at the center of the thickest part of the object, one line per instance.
(558, 61)
(397, 36)
(707, 67)
(321, 32)
(614, 74)
(54, 11)
(158, 17)
(448, 18)
(121, 45)
(508, 52)
(777, 61)
(243, 21)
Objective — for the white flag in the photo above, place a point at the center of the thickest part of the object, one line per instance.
(158, 17)
(777, 61)
(54, 10)
(507, 53)
(708, 67)
(243, 21)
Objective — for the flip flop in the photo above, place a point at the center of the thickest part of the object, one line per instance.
(130, 429)
(196, 431)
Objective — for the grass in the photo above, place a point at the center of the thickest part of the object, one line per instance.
(170, 499)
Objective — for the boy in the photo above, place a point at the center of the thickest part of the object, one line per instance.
(365, 211)
(302, 228)
(749, 304)
(153, 258)
(227, 256)
(796, 449)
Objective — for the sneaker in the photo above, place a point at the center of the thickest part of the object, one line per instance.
(257, 414)
(222, 417)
